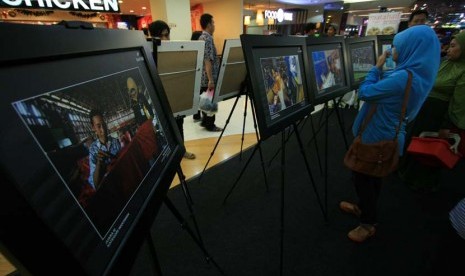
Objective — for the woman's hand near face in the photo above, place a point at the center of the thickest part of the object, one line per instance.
(382, 59)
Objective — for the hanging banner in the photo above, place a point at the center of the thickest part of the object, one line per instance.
(107, 6)
(385, 23)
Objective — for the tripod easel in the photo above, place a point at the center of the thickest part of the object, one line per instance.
(283, 170)
(243, 91)
(257, 146)
(184, 225)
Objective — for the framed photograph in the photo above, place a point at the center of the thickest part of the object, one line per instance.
(278, 80)
(360, 57)
(180, 65)
(385, 43)
(89, 147)
(232, 71)
(327, 69)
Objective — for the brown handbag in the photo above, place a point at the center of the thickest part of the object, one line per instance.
(381, 158)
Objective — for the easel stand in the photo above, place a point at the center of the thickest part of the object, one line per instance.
(243, 91)
(327, 113)
(257, 146)
(185, 226)
(314, 140)
(283, 172)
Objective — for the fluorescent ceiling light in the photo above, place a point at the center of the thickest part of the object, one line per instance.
(356, 1)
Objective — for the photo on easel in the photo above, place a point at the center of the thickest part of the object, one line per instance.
(278, 80)
(283, 83)
(327, 67)
(361, 57)
(89, 150)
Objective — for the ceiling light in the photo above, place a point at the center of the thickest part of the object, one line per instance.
(144, 8)
(356, 1)
(247, 20)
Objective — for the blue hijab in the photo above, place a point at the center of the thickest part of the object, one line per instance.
(418, 51)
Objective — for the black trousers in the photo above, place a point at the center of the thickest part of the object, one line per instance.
(180, 124)
(368, 189)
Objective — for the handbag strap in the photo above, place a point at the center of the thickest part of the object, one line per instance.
(402, 112)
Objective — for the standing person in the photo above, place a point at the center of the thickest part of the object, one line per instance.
(210, 68)
(102, 151)
(159, 29)
(331, 31)
(195, 36)
(442, 112)
(418, 17)
(139, 104)
(416, 50)
(311, 30)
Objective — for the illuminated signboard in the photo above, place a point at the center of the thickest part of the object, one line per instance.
(279, 15)
(81, 5)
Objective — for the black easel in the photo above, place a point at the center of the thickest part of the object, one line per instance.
(257, 146)
(283, 171)
(243, 91)
(182, 178)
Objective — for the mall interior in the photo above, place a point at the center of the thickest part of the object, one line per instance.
(232, 19)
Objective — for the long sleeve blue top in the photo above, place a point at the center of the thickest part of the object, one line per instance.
(419, 52)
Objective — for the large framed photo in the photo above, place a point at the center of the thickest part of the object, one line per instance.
(89, 147)
(361, 57)
(278, 80)
(327, 69)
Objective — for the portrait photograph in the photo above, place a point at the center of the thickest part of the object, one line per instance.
(101, 137)
(282, 79)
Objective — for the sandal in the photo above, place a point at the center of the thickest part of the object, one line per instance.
(362, 233)
(350, 208)
(189, 155)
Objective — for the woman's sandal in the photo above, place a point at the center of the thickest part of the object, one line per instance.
(350, 208)
(362, 233)
(189, 155)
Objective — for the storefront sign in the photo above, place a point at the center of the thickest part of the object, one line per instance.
(81, 5)
(385, 23)
(279, 15)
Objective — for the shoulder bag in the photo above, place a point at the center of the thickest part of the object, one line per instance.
(381, 158)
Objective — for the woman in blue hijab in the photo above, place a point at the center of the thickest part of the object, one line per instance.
(416, 49)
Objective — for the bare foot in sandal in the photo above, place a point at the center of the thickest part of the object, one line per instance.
(189, 155)
(350, 208)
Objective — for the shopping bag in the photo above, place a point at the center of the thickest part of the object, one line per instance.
(206, 103)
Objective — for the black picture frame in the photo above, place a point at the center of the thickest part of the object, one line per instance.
(384, 42)
(277, 60)
(360, 58)
(51, 77)
(320, 50)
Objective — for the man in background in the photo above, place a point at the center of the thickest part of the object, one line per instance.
(311, 30)
(210, 68)
(418, 17)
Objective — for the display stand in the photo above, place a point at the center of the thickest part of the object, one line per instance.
(243, 91)
(283, 172)
(184, 225)
(180, 65)
(257, 146)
